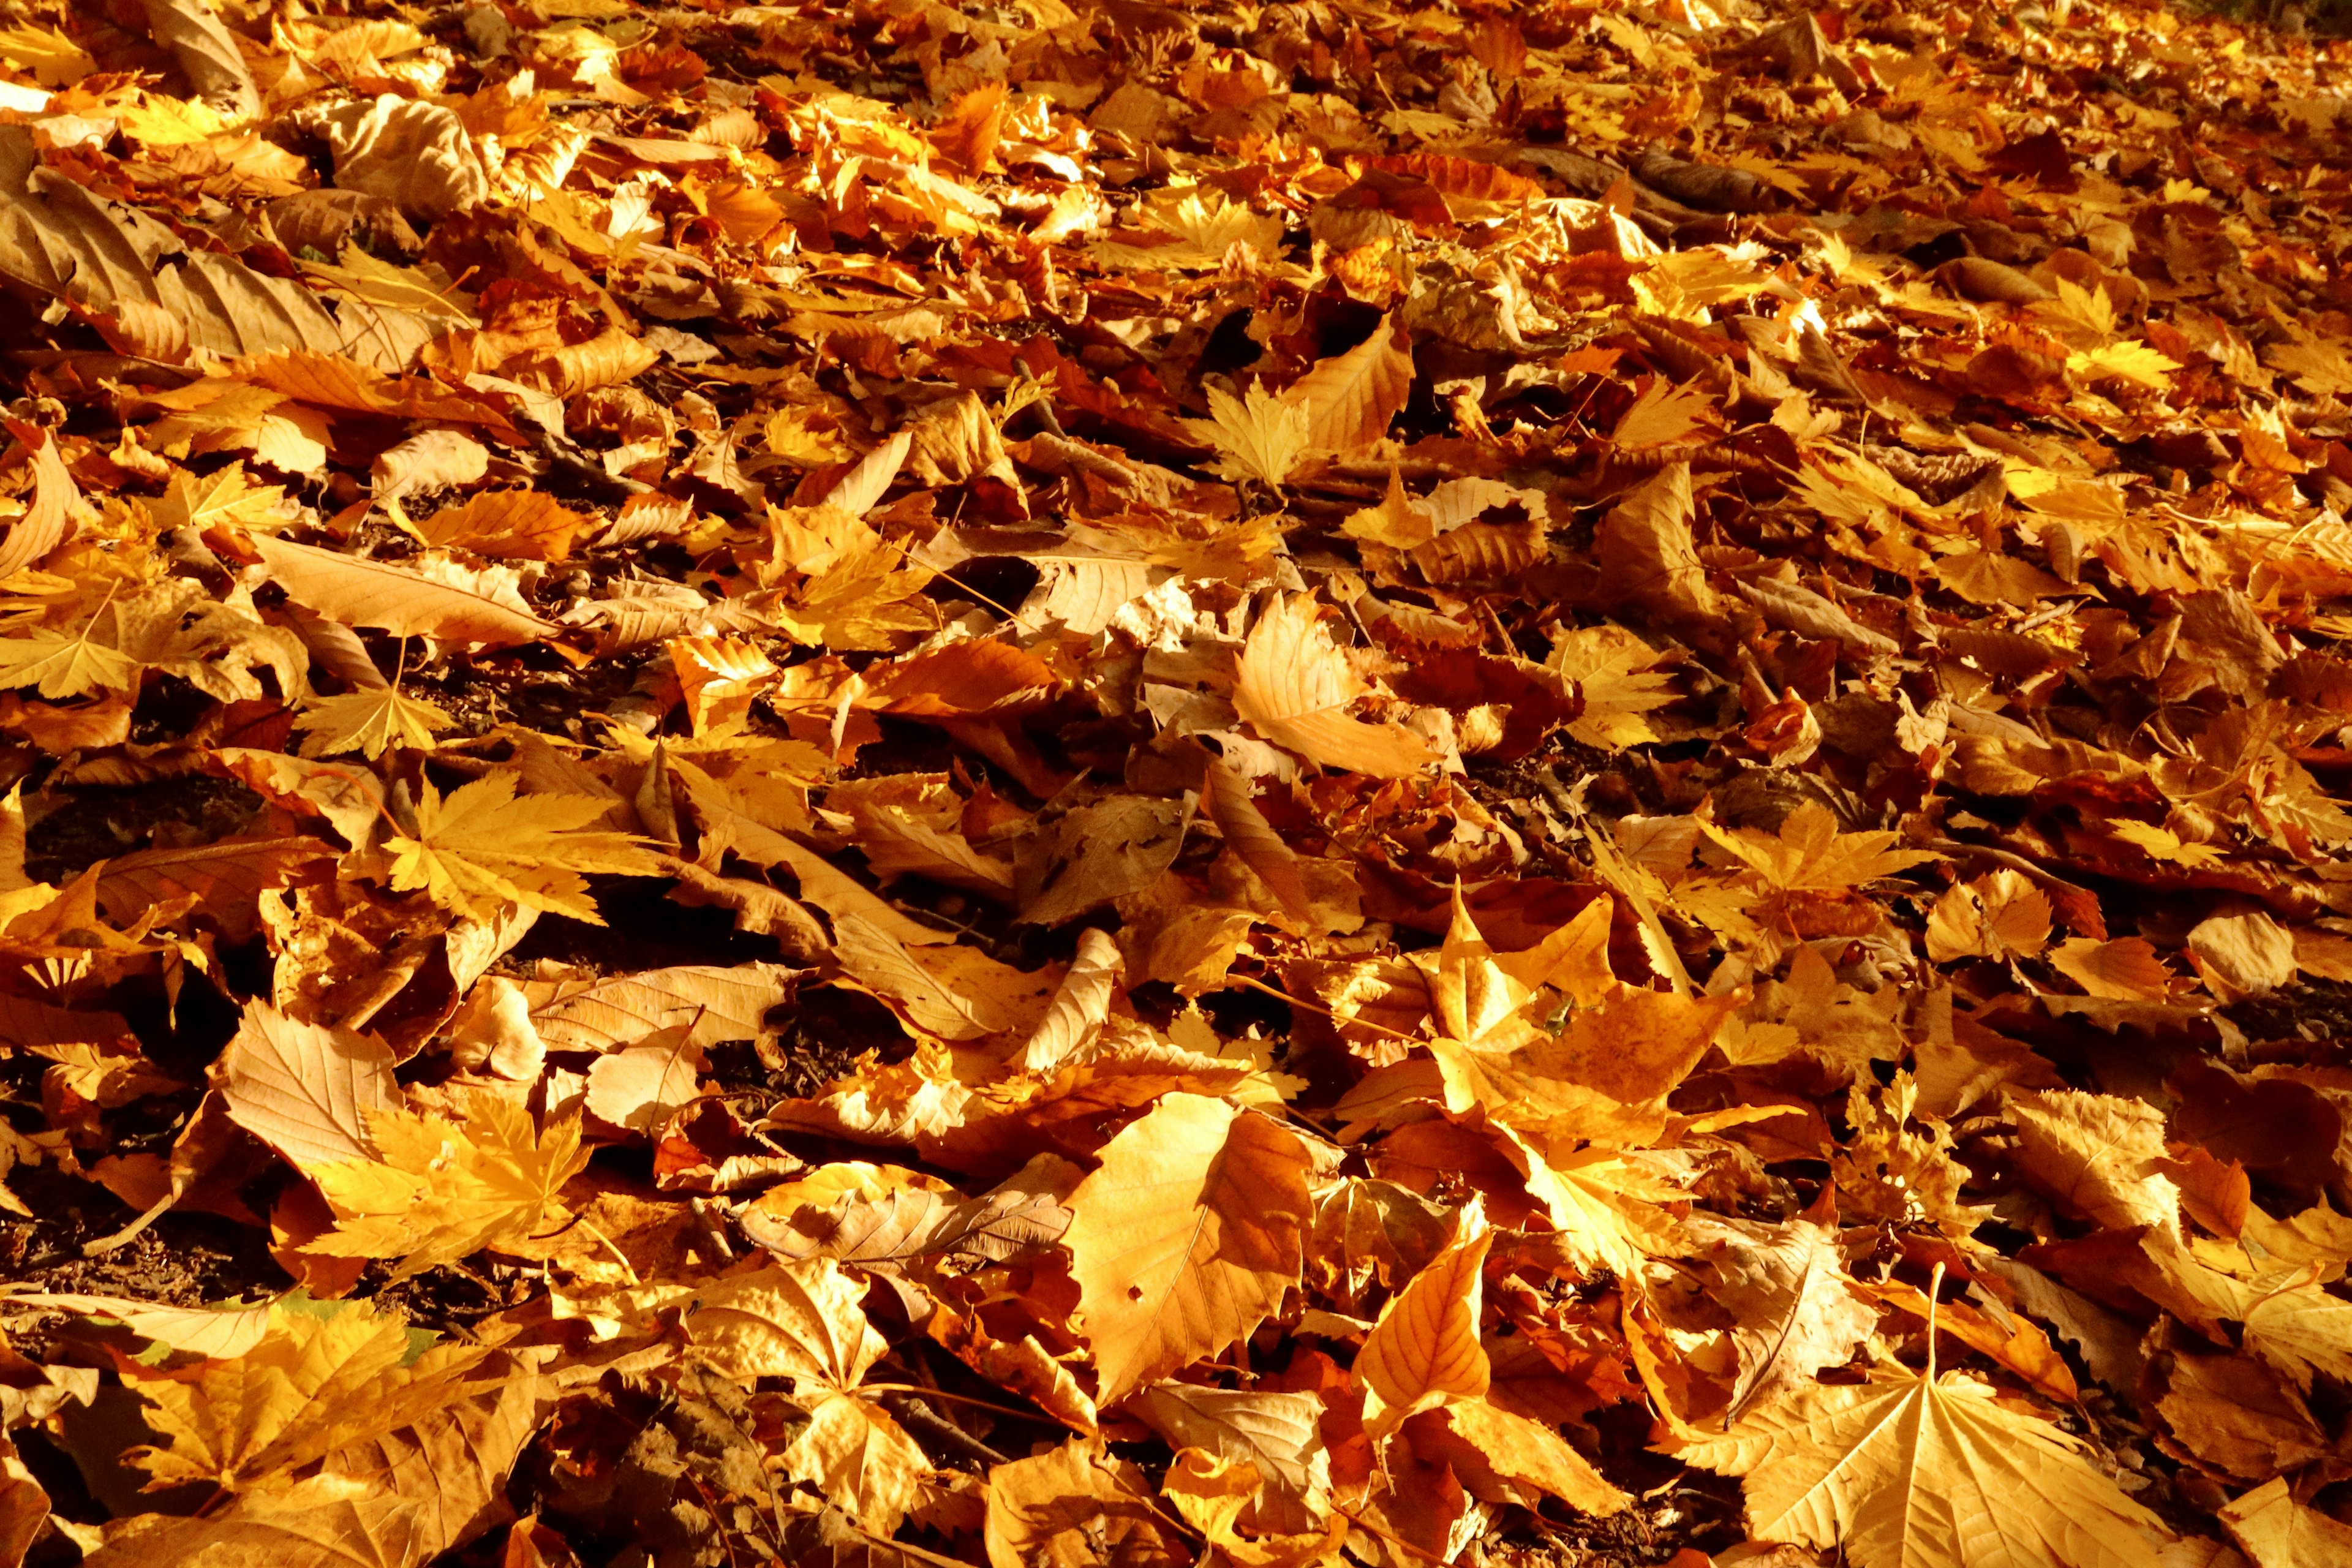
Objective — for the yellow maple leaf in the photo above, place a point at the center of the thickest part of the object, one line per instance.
(1260, 437)
(223, 496)
(65, 664)
(2133, 362)
(321, 1375)
(1906, 1471)
(1810, 855)
(54, 60)
(1612, 669)
(2163, 843)
(372, 722)
(440, 1189)
(481, 847)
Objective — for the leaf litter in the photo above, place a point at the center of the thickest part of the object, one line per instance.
(879, 783)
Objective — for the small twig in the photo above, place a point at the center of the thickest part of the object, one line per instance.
(911, 1411)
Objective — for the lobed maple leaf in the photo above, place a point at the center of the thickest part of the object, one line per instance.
(1912, 1472)
(481, 845)
(1258, 435)
(436, 1190)
(318, 1377)
(371, 724)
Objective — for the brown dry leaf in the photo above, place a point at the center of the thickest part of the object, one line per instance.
(1186, 1236)
(507, 525)
(1295, 687)
(305, 1089)
(1648, 556)
(1099, 854)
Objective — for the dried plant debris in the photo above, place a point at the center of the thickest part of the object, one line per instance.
(876, 783)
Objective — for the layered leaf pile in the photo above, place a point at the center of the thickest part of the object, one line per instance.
(1083, 783)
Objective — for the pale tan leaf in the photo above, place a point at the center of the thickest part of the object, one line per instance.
(2098, 1156)
(1901, 1472)
(1506, 1457)
(2277, 1532)
(801, 1321)
(642, 1087)
(61, 240)
(1280, 1434)
(1785, 1287)
(1079, 1007)
(1295, 687)
(1069, 1508)
(713, 1002)
(303, 1088)
(852, 1451)
(430, 460)
(414, 155)
(394, 597)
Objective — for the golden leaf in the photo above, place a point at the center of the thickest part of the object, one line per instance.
(1295, 687)
(1185, 1237)
(400, 599)
(1425, 1351)
(371, 724)
(318, 1378)
(305, 1089)
(512, 525)
(437, 1191)
(1905, 1471)
(481, 847)
(1350, 398)
(1260, 436)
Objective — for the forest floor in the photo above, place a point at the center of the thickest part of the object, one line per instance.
(1059, 783)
